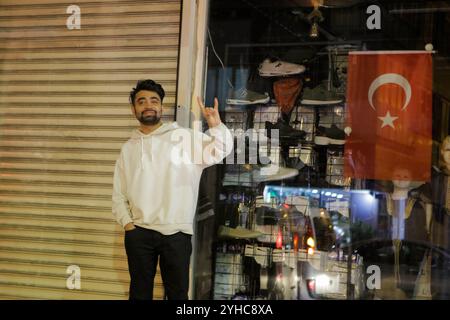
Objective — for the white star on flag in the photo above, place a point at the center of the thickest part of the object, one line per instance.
(388, 120)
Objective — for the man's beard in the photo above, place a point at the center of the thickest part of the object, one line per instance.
(149, 120)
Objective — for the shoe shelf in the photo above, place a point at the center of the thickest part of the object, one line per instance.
(284, 218)
(263, 226)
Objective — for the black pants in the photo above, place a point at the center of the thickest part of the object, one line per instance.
(143, 247)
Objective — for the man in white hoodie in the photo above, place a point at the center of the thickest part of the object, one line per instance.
(156, 183)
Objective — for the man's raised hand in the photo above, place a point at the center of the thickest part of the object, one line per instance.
(210, 114)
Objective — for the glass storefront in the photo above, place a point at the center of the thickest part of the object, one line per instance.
(338, 186)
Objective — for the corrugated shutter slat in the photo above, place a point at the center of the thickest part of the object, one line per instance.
(64, 115)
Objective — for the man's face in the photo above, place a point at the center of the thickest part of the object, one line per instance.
(147, 107)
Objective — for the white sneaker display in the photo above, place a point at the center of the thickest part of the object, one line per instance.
(245, 97)
(257, 174)
(279, 68)
(237, 233)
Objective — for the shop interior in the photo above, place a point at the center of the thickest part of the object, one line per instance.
(310, 232)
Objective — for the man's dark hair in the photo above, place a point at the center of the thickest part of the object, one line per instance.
(148, 85)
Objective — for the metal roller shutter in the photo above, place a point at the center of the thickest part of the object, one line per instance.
(64, 115)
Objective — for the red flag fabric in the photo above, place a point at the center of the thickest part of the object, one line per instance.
(389, 111)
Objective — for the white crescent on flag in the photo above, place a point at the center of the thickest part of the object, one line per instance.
(390, 78)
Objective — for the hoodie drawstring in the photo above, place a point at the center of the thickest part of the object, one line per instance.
(142, 153)
(137, 134)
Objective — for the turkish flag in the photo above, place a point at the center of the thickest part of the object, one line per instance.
(389, 111)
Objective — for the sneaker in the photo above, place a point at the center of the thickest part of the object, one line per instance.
(245, 97)
(237, 233)
(319, 96)
(252, 175)
(279, 68)
(332, 135)
(284, 131)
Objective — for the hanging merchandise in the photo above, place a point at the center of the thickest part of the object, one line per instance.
(315, 17)
(286, 91)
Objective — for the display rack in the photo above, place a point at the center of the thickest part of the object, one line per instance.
(267, 253)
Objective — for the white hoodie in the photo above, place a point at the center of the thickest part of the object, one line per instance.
(156, 178)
